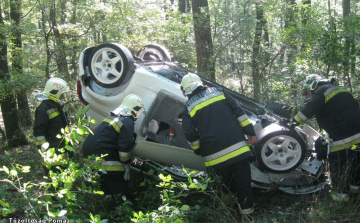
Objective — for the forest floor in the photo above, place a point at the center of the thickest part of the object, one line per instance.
(273, 206)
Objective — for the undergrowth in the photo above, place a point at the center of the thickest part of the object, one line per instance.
(73, 194)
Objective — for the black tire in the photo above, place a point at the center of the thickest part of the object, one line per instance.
(280, 108)
(279, 149)
(154, 52)
(118, 64)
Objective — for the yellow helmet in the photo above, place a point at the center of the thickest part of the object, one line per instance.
(190, 82)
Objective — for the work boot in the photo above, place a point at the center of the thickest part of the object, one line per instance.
(354, 189)
(247, 211)
(339, 197)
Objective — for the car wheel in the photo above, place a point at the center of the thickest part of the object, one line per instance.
(154, 52)
(111, 64)
(279, 149)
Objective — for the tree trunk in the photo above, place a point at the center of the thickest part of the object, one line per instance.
(348, 40)
(292, 48)
(74, 53)
(47, 39)
(305, 14)
(17, 69)
(60, 46)
(203, 39)
(14, 134)
(255, 61)
(182, 6)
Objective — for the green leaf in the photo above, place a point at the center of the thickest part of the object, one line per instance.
(184, 170)
(51, 214)
(6, 170)
(62, 213)
(25, 169)
(81, 130)
(70, 148)
(78, 173)
(185, 207)
(68, 186)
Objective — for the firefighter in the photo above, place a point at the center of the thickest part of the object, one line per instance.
(338, 113)
(50, 119)
(214, 125)
(114, 138)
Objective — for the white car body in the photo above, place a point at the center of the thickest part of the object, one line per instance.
(163, 101)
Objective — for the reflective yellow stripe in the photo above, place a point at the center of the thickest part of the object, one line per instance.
(107, 168)
(243, 120)
(298, 119)
(54, 114)
(113, 123)
(340, 197)
(345, 145)
(333, 93)
(228, 156)
(39, 143)
(245, 123)
(124, 159)
(206, 103)
(195, 147)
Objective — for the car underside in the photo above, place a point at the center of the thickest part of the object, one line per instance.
(284, 157)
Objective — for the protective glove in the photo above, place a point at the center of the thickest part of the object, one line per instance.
(321, 147)
(283, 122)
(127, 172)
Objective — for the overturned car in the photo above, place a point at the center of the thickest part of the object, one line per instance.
(284, 157)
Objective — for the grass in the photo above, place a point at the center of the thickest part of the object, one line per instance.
(273, 206)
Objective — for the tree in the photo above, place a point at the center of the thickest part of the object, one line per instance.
(17, 69)
(60, 52)
(15, 135)
(203, 39)
(348, 41)
(256, 49)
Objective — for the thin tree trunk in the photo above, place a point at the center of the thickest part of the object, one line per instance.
(60, 46)
(47, 39)
(255, 61)
(203, 39)
(348, 40)
(15, 135)
(17, 69)
(182, 6)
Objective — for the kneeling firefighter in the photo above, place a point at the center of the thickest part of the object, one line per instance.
(114, 137)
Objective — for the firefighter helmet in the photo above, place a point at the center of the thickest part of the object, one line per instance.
(132, 105)
(310, 83)
(54, 88)
(190, 82)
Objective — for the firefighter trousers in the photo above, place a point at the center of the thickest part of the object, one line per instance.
(113, 183)
(237, 178)
(344, 169)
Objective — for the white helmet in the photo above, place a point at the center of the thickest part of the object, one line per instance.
(54, 88)
(132, 105)
(311, 82)
(190, 82)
